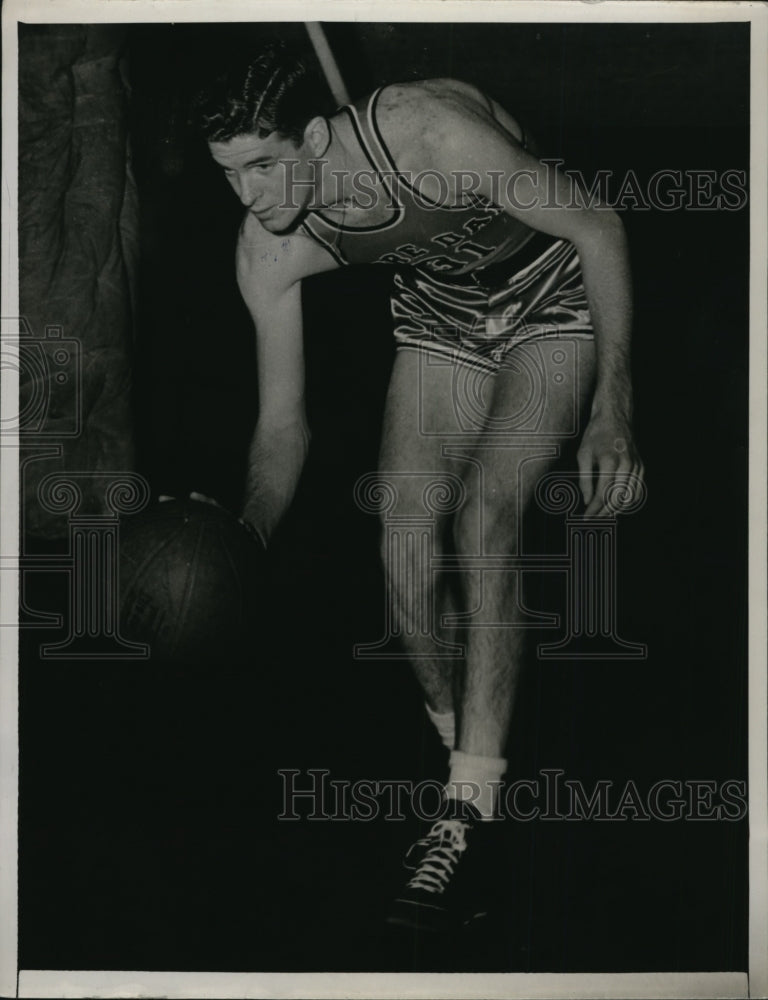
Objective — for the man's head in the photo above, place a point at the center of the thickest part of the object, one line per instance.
(257, 119)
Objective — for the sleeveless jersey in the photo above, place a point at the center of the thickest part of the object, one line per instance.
(436, 238)
(470, 291)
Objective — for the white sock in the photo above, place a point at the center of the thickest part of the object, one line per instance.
(445, 724)
(475, 779)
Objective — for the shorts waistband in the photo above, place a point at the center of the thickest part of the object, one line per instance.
(498, 271)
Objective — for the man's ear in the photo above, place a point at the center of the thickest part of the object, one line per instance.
(317, 136)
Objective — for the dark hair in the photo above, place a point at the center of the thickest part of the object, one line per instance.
(274, 92)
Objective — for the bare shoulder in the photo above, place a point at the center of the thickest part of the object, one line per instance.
(425, 96)
(276, 260)
(426, 114)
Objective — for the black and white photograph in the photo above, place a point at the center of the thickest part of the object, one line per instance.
(383, 519)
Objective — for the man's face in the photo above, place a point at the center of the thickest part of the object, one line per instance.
(272, 176)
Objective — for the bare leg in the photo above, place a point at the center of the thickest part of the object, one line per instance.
(500, 470)
(522, 415)
(489, 676)
(419, 402)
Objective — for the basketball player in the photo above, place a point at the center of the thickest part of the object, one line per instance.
(496, 259)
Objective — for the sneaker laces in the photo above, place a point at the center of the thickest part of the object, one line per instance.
(416, 852)
(445, 843)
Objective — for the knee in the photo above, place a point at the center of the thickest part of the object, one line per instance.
(487, 523)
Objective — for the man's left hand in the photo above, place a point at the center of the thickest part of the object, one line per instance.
(607, 459)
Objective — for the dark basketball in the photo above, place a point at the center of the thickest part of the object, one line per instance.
(191, 582)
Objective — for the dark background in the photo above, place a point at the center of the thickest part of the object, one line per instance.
(149, 794)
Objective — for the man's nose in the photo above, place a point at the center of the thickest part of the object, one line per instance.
(248, 191)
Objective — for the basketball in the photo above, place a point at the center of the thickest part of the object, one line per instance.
(191, 582)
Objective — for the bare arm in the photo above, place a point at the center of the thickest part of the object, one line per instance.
(269, 272)
(460, 137)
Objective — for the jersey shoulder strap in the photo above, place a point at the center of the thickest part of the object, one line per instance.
(317, 229)
(363, 116)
